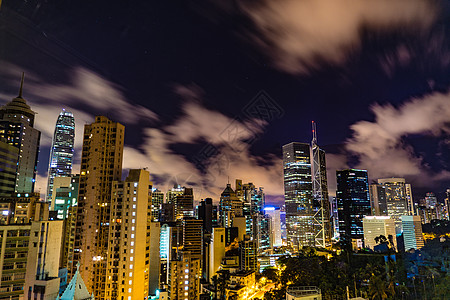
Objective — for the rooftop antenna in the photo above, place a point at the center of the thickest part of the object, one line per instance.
(314, 134)
(21, 85)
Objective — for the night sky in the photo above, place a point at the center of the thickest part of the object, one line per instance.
(210, 90)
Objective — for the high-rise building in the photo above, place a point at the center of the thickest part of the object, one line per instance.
(184, 281)
(29, 256)
(398, 199)
(298, 195)
(193, 237)
(378, 200)
(374, 226)
(447, 204)
(230, 206)
(64, 195)
(61, 153)
(353, 202)
(9, 158)
(101, 164)
(217, 250)
(275, 225)
(412, 232)
(205, 213)
(127, 267)
(321, 203)
(16, 128)
(248, 250)
(184, 204)
(157, 201)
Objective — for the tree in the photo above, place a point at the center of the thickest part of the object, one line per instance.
(377, 288)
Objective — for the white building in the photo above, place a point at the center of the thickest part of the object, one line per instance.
(374, 226)
(412, 232)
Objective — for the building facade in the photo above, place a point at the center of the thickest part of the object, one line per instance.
(374, 226)
(353, 203)
(101, 164)
(17, 129)
(298, 195)
(61, 152)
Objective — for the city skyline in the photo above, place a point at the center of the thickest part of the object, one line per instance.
(184, 117)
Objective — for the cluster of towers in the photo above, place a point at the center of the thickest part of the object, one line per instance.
(314, 219)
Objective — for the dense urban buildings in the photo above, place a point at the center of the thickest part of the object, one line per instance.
(17, 129)
(412, 232)
(375, 226)
(61, 152)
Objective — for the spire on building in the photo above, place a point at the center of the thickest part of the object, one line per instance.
(76, 290)
(21, 85)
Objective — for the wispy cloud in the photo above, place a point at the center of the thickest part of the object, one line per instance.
(300, 35)
(87, 94)
(381, 147)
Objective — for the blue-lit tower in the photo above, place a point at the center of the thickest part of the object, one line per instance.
(353, 202)
(61, 153)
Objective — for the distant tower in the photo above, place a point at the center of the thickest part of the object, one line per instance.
(321, 203)
(16, 128)
(61, 153)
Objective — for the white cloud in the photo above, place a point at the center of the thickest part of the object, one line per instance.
(299, 35)
(380, 144)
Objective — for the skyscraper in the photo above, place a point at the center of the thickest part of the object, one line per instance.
(127, 269)
(101, 164)
(378, 200)
(61, 153)
(398, 199)
(8, 168)
(412, 232)
(353, 202)
(298, 194)
(16, 128)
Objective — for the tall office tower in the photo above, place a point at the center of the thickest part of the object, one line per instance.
(353, 203)
(184, 204)
(248, 250)
(16, 127)
(193, 237)
(375, 226)
(65, 195)
(398, 199)
(157, 201)
(101, 164)
(184, 282)
(298, 195)
(321, 203)
(431, 199)
(217, 250)
(264, 237)
(412, 232)
(378, 202)
(275, 224)
(205, 214)
(173, 193)
(127, 257)
(155, 261)
(61, 153)
(9, 158)
(167, 213)
(230, 206)
(30, 248)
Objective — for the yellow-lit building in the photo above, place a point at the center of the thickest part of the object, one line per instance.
(101, 164)
(184, 279)
(129, 240)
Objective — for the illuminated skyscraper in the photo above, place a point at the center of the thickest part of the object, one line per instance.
(101, 164)
(16, 128)
(398, 199)
(61, 153)
(298, 194)
(353, 202)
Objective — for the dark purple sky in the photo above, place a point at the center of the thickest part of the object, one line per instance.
(183, 78)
